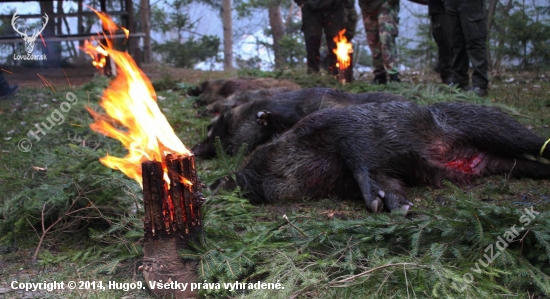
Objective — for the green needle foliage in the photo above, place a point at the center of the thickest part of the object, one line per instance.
(426, 254)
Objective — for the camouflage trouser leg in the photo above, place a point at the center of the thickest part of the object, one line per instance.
(381, 27)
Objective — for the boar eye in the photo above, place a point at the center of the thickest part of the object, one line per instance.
(262, 117)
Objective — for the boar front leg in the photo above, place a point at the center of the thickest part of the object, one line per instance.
(369, 191)
(356, 158)
(392, 192)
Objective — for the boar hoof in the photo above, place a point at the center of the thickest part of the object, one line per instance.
(262, 117)
(397, 202)
(406, 208)
(377, 206)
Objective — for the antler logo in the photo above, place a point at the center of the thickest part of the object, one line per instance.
(29, 40)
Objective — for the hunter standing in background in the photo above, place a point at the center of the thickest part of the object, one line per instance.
(442, 37)
(329, 16)
(468, 36)
(381, 20)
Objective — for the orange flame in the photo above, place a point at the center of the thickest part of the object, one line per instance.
(126, 32)
(97, 53)
(342, 51)
(133, 117)
(108, 25)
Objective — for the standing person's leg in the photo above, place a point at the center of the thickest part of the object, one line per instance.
(441, 35)
(476, 36)
(333, 22)
(460, 63)
(477, 51)
(370, 21)
(312, 28)
(388, 23)
(5, 88)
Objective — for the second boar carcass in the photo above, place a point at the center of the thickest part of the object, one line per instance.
(258, 121)
(220, 89)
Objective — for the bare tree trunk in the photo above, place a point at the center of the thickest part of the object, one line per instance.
(133, 45)
(524, 41)
(70, 45)
(80, 29)
(277, 30)
(58, 24)
(490, 17)
(491, 14)
(500, 43)
(290, 13)
(52, 49)
(145, 10)
(227, 35)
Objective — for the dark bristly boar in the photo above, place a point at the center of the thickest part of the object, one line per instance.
(259, 121)
(218, 90)
(243, 98)
(373, 151)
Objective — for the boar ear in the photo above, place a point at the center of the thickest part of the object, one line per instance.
(225, 183)
(263, 117)
(198, 90)
(228, 88)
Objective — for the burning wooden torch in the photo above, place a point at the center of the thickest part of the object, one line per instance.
(161, 164)
(343, 51)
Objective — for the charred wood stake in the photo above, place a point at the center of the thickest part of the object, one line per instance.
(171, 222)
(345, 75)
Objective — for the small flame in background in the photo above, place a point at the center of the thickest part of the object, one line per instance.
(132, 114)
(94, 48)
(97, 53)
(342, 51)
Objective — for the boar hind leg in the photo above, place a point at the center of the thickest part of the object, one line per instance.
(518, 168)
(511, 141)
(492, 130)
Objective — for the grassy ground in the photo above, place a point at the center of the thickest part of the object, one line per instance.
(82, 221)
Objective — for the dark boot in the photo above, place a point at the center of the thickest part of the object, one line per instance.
(380, 80)
(463, 87)
(9, 91)
(6, 89)
(312, 51)
(395, 78)
(480, 92)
